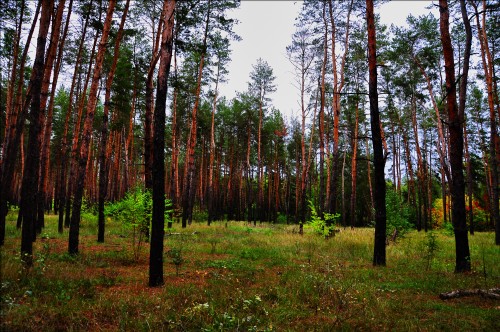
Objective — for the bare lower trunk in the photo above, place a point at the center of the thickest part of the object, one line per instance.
(379, 253)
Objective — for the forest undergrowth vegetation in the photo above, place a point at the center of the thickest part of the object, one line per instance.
(236, 276)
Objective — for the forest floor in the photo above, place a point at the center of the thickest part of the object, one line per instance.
(236, 277)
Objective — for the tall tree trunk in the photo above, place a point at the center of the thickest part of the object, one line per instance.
(354, 168)
(462, 263)
(369, 176)
(189, 181)
(148, 117)
(64, 153)
(74, 228)
(158, 217)
(338, 86)
(47, 126)
(210, 191)
(441, 142)
(379, 256)
(9, 108)
(76, 136)
(174, 178)
(248, 174)
(14, 131)
(461, 105)
(321, 132)
(31, 168)
(488, 74)
(103, 164)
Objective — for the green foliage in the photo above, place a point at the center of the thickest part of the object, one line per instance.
(134, 211)
(281, 219)
(88, 212)
(176, 255)
(431, 247)
(322, 226)
(398, 213)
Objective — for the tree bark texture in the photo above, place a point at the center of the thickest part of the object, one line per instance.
(74, 229)
(457, 187)
(29, 189)
(379, 252)
(158, 174)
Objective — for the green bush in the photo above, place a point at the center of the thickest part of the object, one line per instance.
(322, 226)
(134, 211)
(398, 213)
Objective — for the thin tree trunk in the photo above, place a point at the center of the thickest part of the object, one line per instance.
(76, 136)
(103, 164)
(321, 193)
(461, 106)
(488, 74)
(74, 229)
(210, 192)
(354, 169)
(189, 184)
(369, 176)
(338, 85)
(63, 156)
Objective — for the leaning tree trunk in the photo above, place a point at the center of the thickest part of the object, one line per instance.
(158, 217)
(379, 257)
(29, 189)
(74, 228)
(457, 188)
(14, 124)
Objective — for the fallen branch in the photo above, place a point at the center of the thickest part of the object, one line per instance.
(493, 293)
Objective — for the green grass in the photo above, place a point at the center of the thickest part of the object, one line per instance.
(240, 277)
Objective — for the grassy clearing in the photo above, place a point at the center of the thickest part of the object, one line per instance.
(238, 277)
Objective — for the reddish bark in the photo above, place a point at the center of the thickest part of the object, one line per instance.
(47, 125)
(74, 229)
(379, 252)
(189, 181)
(457, 187)
(103, 179)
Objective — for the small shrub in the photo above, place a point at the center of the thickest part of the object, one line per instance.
(135, 211)
(323, 226)
(398, 213)
(176, 255)
(431, 247)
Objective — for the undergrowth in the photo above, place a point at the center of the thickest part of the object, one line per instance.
(240, 277)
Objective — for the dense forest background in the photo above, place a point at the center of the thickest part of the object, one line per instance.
(81, 103)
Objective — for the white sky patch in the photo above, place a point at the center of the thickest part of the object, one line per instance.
(266, 28)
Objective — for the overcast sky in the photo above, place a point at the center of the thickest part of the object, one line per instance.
(266, 28)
